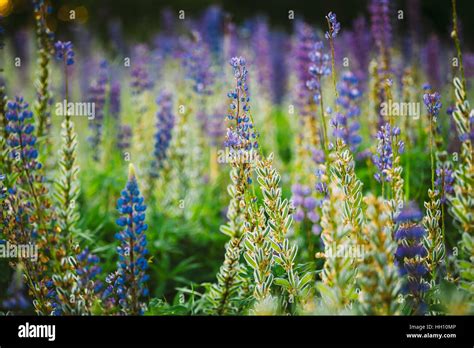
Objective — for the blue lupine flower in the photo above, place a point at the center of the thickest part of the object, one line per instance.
(211, 23)
(88, 268)
(345, 127)
(334, 26)
(433, 103)
(132, 264)
(444, 182)
(20, 130)
(241, 136)
(165, 124)
(384, 157)
(320, 67)
(305, 40)
(64, 51)
(197, 64)
(410, 256)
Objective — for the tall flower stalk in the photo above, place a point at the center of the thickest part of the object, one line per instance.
(44, 42)
(67, 188)
(461, 202)
(377, 275)
(241, 140)
(279, 222)
(132, 265)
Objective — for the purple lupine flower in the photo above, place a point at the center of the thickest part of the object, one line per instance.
(83, 40)
(380, 23)
(140, 81)
(20, 49)
(306, 206)
(444, 182)
(263, 54)
(64, 51)
(344, 123)
(409, 257)
(132, 264)
(410, 212)
(97, 95)
(305, 41)
(360, 43)
(433, 103)
(320, 66)
(124, 137)
(241, 137)
(165, 124)
(431, 59)
(197, 65)
(334, 26)
(383, 159)
(115, 100)
(116, 37)
(280, 44)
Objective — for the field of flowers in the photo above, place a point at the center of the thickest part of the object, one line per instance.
(225, 168)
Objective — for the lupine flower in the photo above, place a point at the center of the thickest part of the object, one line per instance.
(345, 127)
(21, 133)
(432, 60)
(410, 257)
(380, 23)
(384, 157)
(211, 24)
(263, 53)
(141, 80)
(306, 206)
(165, 124)
(88, 268)
(197, 65)
(305, 41)
(433, 103)
(133, 250)
(64, 51)
(97, 95)
(280, 41)
(360, 43)
(124, 137)
(444, 182)
(115, 100)
(320, 66)
(242, 136)
(334, 26)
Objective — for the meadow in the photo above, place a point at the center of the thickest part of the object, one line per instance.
(227, 168)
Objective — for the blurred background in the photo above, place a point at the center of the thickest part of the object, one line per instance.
(135, 16)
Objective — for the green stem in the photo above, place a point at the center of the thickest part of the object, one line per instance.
(455, 36)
